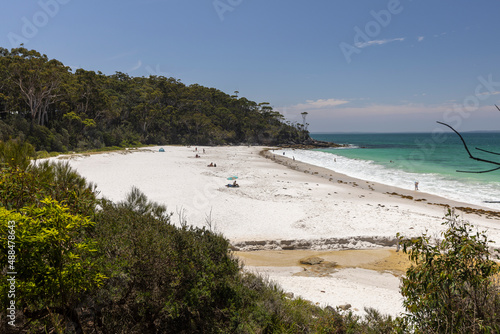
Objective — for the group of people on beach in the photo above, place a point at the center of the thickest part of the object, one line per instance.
(196, 150)
(229, 185)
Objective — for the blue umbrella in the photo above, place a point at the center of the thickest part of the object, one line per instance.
(232, 178)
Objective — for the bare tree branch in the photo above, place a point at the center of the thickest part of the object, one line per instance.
(480, 149)
(478, 172)
(471, 156)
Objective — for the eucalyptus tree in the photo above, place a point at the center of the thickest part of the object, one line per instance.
(38, 80)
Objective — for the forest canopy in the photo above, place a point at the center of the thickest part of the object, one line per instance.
(57, 109)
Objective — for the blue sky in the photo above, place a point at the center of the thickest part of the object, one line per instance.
(354, 66)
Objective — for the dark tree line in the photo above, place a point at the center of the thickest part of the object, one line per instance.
(55, 109)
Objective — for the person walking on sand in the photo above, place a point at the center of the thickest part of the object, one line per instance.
(416, 185)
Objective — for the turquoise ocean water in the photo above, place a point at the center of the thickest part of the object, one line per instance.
(403, 158)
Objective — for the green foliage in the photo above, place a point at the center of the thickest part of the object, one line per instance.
(15, 153)
(449, 288)
(55, 265)
(52, 258)
(19, 188)
(373, 322)
(46, 155)
(162, 278)
(62, 183)
(138, 202)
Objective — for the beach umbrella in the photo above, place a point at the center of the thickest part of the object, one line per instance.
(232, 178)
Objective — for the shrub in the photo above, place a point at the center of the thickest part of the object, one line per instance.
(52, 260)
(49, 204)
(449, 288)
(16, 153)
(162, 278)
(19, 188)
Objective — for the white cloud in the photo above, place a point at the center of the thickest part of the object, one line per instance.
(327, 115)
(332, 108)
(316, 107)
(489, 93)
(378, 42)
(383, 109)
(386, 109)
(420, 38)
(318, 104)
(391, 118)
(441, 34)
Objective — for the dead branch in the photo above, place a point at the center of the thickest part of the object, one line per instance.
(473, 157)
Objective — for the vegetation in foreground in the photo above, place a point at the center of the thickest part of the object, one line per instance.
(453, 285)
(93, 266)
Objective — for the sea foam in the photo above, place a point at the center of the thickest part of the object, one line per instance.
(467, 191)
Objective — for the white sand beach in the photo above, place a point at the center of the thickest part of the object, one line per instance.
(283, 208)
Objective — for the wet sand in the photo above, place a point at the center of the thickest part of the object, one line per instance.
(381, 260)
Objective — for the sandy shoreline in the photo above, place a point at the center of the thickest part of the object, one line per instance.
(282, 206)
(371, 186)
